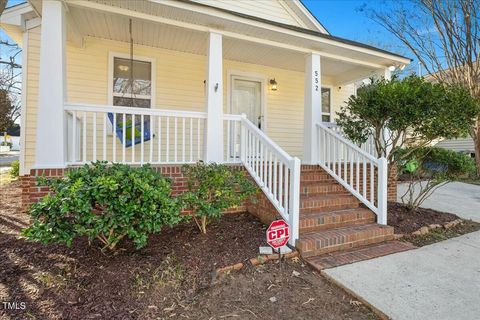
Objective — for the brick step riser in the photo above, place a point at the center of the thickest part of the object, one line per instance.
(321, 189)
(309, 227)
(329, 208)
(320, 177)
(313, 203)
(345, 246)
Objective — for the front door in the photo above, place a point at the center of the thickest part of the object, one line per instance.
(246, 97)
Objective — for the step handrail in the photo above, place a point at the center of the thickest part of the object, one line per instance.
(362, 174)
(275, 171)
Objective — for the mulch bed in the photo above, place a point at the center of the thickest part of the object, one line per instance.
(438, 235)
(170, 278)
(406, 221)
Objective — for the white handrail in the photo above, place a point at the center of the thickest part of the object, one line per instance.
(368, 146)
(358, 171)
(275, 171)
(133, 110)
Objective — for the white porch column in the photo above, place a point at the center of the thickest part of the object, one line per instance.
(387, 74)
(213, 142)
(50, 148)
(312, 108)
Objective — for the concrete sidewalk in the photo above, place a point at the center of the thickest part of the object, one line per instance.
(439, 281)
(462, 199)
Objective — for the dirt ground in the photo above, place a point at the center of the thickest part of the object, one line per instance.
(170, 278)
(438, 235)
(406, 221)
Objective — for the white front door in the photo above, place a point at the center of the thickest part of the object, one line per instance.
(246, 97)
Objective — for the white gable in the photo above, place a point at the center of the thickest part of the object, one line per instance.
(290, 12)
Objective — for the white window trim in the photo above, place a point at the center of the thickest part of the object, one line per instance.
(111, 94)
(329, 87)
(249, 76)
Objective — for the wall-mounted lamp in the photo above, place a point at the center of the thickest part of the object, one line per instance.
(273, 84)
(123, 68)
(391, 68)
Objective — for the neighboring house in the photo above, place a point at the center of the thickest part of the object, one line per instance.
(463, 145)
(13, 136)
(196, 67)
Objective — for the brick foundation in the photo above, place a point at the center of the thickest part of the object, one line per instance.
(392, 183)
(32, 193)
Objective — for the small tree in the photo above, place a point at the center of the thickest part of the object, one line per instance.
(430, 168)
(408, 112)
(106, 202)
(213, 188)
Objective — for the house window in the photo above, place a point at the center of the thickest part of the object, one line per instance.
(326, 105)
(132, 83)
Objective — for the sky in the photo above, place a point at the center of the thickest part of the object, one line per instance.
(348, 19)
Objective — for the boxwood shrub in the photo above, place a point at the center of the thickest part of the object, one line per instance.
(104, 202)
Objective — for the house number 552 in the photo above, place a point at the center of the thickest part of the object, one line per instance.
(315, 79)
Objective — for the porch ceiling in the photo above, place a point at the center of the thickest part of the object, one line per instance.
(100, 24)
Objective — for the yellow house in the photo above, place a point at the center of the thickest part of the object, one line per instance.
(168, 82)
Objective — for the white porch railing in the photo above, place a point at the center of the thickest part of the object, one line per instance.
(133, 135)
(275, 171)
(358, 171)
(368, 146)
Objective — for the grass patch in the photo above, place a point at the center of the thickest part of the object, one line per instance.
(169, 273)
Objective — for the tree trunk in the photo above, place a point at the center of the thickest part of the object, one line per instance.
(476, 142)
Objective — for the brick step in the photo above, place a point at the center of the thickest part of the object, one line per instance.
(318, 221)
(316, 176)
(327, 203)
(321, 242)
(310, 167)
(321, 187)
(339, 258)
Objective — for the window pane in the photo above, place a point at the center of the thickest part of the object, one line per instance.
(131, 102)
(123, 73)
(325, 118)
(326, 100)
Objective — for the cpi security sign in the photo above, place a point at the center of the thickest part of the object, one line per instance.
(278, 234)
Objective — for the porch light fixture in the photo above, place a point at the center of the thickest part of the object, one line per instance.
(123, 67)
(391, 68)
(273, 84)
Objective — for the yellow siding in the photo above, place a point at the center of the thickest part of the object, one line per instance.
(179, 86)
(265, 9)
(33, 63)
(340, 96)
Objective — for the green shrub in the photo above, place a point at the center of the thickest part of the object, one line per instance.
(107, 202)
(6, 144)
(429, 168)
(14, 172)
(213, 188)
(414, 111)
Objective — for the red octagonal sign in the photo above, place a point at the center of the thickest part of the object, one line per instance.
(278, 234)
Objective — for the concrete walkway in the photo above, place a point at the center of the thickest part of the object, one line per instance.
(439, 281)
(7, 158)
(462, 199)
